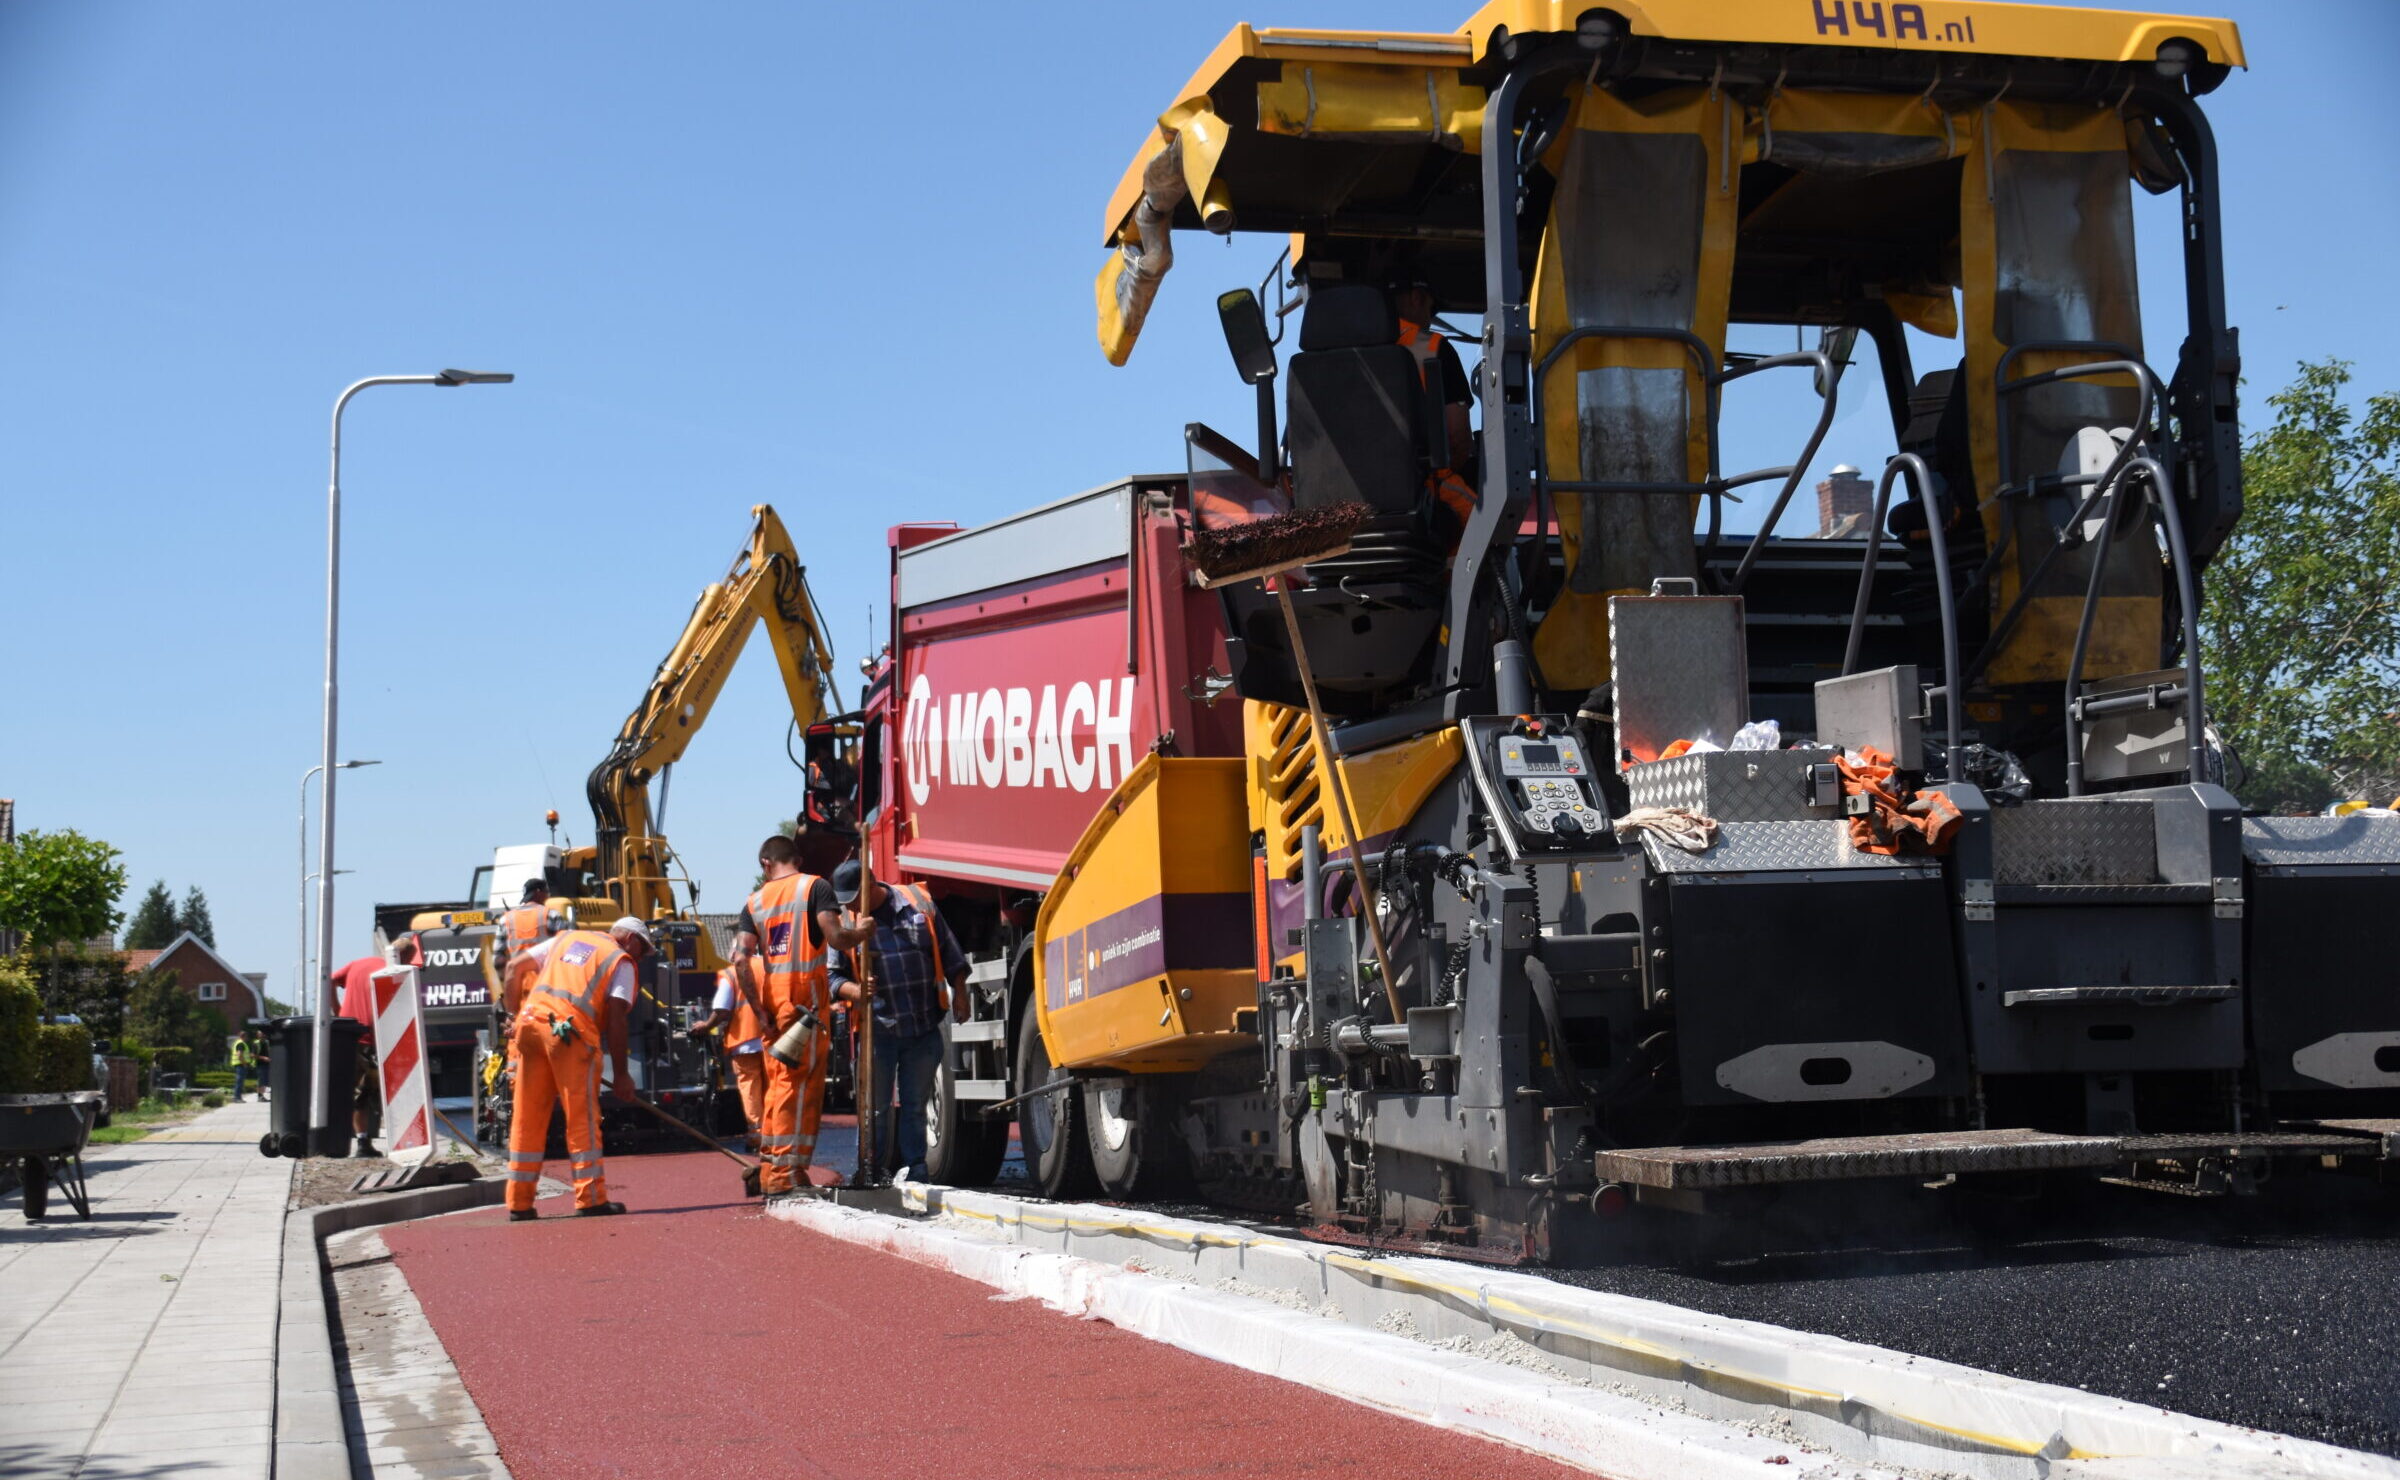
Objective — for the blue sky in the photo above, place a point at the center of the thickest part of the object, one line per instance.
(733, 257)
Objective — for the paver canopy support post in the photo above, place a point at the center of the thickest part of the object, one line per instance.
(322, 1141)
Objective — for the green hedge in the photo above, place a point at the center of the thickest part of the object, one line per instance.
(213, 1079)
(20, 1020)
(171, 1060)
(62, 1058)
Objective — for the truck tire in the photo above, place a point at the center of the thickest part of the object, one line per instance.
(1058, 1157)
(963, 1148)
(1133, 1124)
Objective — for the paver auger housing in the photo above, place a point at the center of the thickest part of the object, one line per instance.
(2047, 940)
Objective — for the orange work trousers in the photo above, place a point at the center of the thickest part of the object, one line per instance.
(563, 1072)
(788, 1130)
(750, 1077)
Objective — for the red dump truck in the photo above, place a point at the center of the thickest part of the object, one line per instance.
(1036, 661)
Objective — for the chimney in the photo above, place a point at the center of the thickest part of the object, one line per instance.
(1844, 500)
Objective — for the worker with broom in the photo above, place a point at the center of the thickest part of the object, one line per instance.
(788, 925)
(582, 989)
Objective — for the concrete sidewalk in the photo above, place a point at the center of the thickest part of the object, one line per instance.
(143, 1342)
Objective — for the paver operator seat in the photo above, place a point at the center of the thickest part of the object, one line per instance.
(1357, 419)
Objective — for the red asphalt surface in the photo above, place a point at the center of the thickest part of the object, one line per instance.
(696, 1337)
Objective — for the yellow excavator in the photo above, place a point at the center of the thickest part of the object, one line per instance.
(629, 858)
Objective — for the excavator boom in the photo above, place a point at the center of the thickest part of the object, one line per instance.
(765, 584)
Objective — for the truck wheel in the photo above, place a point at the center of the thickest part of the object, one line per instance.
(1057, 1154)
(1137, 1145)
(962, 1147)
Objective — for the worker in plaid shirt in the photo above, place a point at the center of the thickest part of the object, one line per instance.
(919, 972)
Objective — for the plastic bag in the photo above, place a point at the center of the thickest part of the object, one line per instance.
(1759, 734)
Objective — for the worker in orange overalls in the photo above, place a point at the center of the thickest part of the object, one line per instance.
(582, 990)
(1443, 375)
(736, 1009)
(780, 946)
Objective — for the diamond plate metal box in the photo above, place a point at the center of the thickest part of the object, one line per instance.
(1681, 669)
(2089, 840)
(2299, 842)
(1779, 847)
(1733, 785)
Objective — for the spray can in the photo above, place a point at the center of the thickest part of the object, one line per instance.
(798, 1040)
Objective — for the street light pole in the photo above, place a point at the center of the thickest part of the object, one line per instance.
(320, 1098)
(302, 993)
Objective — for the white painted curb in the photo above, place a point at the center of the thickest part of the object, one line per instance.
(1601, 1432)
(1722, 1382)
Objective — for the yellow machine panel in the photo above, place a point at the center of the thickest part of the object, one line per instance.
(1143, 950)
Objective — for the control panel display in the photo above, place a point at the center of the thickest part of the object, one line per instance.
(1547, 784)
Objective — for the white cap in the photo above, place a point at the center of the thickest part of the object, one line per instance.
(629, 925)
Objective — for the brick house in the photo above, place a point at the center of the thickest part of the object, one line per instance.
(207, 978)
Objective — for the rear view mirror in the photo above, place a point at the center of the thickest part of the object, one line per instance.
(1836, 343)
(1246, 335)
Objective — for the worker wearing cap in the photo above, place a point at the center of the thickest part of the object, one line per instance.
(521, 929)
(918, 968)
(780, 946)
(582, 989)
(1441, 372)
(735, 1012)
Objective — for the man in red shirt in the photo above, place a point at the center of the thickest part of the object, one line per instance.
(358, 1004)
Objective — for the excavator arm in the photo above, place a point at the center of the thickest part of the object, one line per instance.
(766, 583)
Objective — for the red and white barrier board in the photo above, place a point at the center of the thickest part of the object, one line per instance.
(400, 1061)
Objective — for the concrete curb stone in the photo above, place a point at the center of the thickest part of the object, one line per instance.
(311, 1442)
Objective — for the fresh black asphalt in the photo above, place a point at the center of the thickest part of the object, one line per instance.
(2278, 1312)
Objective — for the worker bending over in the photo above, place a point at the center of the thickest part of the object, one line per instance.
(734, 1010)
(788, 927)
(582, 988)
(918, 966)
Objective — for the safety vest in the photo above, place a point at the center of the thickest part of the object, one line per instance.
(796, 976)
(574, 978)
(922, 902)
(524, 927)
(745, 1024)
(244, 1055)
(1445, 484)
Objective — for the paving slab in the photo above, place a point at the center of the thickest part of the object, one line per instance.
(145, 1337)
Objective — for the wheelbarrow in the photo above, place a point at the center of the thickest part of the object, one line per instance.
(47, 1133)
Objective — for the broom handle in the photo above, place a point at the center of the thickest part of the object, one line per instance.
(1341, 796)
(870, 1149)
(695, 1135)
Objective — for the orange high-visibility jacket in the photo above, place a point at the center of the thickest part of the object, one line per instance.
(749, 980)
(796, 975)
(524, 927)
(574, 978)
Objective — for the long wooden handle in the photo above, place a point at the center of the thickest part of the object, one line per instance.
(870, 1149)
(695, 1135)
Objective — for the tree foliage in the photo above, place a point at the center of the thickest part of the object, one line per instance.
(57, 887)
(160, 1013)
(194, 917)
(152, 927)
(2300, 627)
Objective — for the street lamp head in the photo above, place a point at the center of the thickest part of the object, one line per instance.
(354, 765)
(473, 377)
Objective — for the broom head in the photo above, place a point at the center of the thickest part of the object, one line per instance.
(1256, 548)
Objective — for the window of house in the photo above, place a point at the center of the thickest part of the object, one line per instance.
(212, 991)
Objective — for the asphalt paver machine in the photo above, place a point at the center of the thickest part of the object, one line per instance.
(1983, 910)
